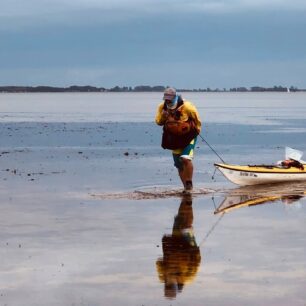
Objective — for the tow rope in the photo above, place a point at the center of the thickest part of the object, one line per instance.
(212, 149)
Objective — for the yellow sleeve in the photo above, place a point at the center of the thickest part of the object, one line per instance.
(194, 115)
(160, 118)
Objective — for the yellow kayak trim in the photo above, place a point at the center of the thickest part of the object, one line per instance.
(263, 169)
(257, 201)
(250, 202)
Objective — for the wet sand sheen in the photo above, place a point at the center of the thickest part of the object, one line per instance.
(84, 223)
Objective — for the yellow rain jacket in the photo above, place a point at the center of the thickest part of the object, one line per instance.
(180, 125)
(187, 111)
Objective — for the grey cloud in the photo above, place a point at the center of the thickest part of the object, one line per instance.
(19, 8)
(64, 76)
(130, 42)
(17, 15)
(196, 74)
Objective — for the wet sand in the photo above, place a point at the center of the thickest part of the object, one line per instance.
(93, 216)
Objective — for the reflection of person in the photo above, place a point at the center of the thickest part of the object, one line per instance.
(181, 125)
(181, 255)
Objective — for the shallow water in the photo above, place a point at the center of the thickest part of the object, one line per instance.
(74, 233)
(239, 108)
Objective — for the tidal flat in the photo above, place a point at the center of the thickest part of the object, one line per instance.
(92, 212)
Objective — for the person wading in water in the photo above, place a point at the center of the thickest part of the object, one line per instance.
(181, 125)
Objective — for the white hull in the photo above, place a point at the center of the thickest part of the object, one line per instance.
(244, 178)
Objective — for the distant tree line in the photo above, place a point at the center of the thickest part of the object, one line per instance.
(262, 89)
(50, 89)
(140, 88)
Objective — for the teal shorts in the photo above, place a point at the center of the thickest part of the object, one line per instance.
(187, 153)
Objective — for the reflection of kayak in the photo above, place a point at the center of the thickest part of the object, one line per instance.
(261, 174)
(231, 203)
(235, 202)
(287, 193)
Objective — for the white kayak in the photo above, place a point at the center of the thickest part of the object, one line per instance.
(261, 174)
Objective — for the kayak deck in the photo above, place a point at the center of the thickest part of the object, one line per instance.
(261, 168)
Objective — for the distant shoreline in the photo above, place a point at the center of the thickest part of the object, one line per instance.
(141, 88)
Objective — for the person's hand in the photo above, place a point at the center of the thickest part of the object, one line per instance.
(164, 114)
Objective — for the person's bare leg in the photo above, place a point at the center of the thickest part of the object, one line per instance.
(181, 174)
(186, 172)
(188, 169)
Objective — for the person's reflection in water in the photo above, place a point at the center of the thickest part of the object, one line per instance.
(181, 255)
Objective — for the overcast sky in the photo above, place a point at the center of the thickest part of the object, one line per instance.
(183, 43)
